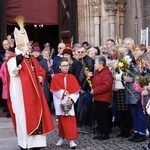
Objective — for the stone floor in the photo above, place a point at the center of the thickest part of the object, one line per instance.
(8, 140)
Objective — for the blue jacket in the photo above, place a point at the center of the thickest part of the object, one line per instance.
(132, 96)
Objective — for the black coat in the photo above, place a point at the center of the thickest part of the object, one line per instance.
(43, 63)
(81, 110)
(80, 73)
(56, 61)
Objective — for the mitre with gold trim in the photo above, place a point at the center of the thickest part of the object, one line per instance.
(21, 36)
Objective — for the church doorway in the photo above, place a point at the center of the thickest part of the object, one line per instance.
(40, 33)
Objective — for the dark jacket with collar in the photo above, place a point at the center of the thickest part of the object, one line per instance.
(132, 96)
(43, 63)
(80, 73)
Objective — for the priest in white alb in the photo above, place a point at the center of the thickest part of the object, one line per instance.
(26, 101)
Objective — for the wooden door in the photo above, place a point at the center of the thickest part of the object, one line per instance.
(2, 22)
(67, 20)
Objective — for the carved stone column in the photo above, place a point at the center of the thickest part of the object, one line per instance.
(111, 8)
(96, 8)
(122, 4)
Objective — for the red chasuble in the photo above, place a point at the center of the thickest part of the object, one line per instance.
(72, 85)
(36, 108)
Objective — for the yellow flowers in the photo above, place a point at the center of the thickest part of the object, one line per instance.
(86, 71)
(120, 64)
(123, 64)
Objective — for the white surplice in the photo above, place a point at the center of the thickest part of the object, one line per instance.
(57, 97)
(16, 95)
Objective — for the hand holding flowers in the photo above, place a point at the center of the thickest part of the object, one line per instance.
(142, 80)
(126, 78)
(124, 63)
(144, 92)
(141, 84)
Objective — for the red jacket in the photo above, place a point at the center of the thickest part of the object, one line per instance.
(102, 85)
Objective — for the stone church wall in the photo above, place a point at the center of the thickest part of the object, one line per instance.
(99, 20)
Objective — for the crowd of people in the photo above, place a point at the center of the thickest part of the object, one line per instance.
(100, 83)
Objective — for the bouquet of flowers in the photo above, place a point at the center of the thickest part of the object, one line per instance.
(86, 71)
(123, 64)
(142, 80)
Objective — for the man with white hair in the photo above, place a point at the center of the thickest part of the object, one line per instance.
(85, 64)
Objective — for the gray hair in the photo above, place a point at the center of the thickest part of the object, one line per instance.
(101, 60)
(125, 46)
(94, 49)
(128, 38)
(77, 45)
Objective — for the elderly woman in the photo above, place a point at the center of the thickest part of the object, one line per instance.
(92, 52)
(46, 55)
(102, 91)
(121, 107)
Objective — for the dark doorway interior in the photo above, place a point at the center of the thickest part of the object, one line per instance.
(40, 33)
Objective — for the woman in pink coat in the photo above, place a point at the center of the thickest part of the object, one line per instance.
(3, 77)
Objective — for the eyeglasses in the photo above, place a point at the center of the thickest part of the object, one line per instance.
(80, 52)
(59, 47)
(65, 66)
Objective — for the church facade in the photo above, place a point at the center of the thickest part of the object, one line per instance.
(99, 20)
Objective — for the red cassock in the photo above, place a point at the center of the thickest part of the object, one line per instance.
(35, 104)
(72, 85)
(66, 124)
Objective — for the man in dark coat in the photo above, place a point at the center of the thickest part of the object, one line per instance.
(84, 65)
(56, 59)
